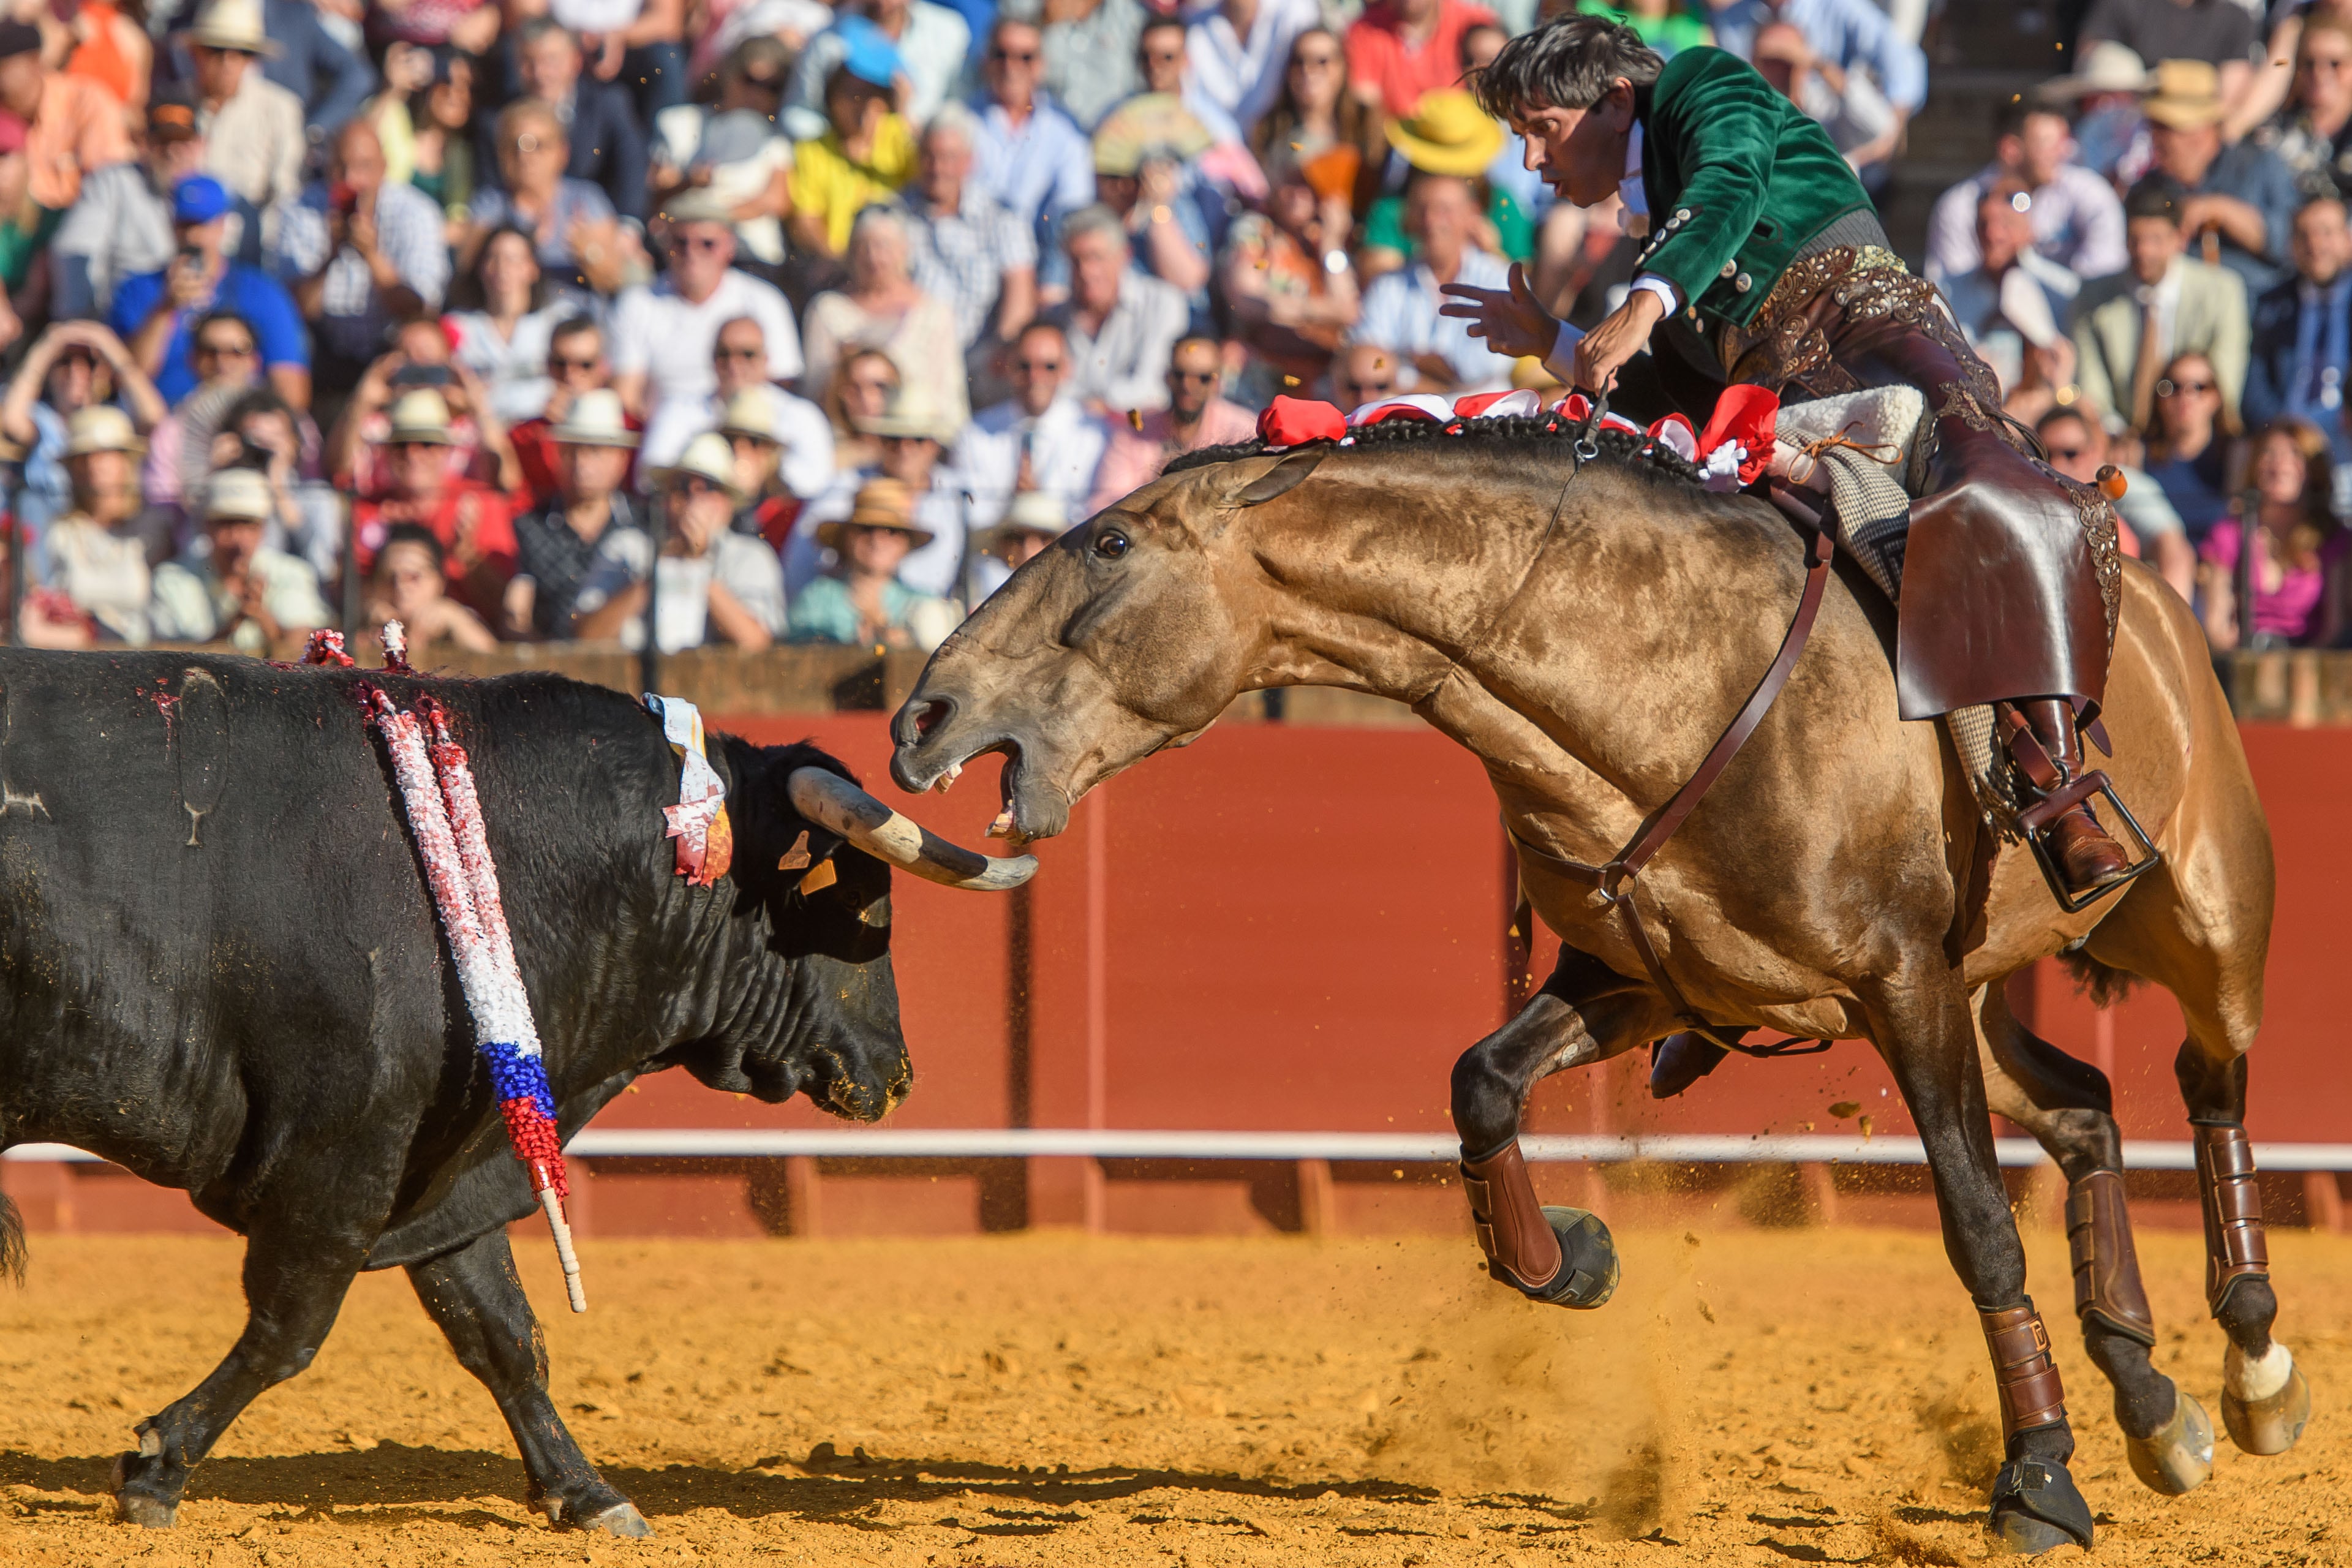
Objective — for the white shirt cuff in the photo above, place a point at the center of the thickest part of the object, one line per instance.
(1561, 360)
(1651, 283)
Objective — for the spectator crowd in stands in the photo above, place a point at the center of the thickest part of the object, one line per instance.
(750, 321)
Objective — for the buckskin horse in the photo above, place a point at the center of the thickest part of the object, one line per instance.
(1588, 622)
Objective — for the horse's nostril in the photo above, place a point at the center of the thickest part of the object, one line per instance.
(931, 715)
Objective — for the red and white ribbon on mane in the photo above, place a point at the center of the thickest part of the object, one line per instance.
(444, 817)
(1729, 453)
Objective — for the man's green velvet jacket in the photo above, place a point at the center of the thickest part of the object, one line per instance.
(1738, 179)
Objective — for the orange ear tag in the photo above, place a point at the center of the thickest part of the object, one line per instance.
(821, 876)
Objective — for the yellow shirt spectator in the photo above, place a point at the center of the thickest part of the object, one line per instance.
(827, 182)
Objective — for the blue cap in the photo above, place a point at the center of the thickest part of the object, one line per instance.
(199, 198)
(872, 57)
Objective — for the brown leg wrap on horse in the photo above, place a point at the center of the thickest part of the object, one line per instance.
(2106, 1265)
(1521, 1245)
(2235, 1247)
(2030, 1394)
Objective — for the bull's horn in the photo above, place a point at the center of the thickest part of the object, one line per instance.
(834, 803)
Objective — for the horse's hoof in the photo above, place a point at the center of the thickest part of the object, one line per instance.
(621, 1518)
(2178, 1457)
(135, 1507)
(1588, 1262)
(2035, 1508)
(2272, 1413)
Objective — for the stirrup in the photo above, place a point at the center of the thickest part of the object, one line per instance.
(2037, 817)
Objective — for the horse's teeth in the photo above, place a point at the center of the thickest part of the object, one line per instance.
(1003, 826)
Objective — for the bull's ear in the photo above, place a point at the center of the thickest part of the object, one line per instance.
(1279, 479)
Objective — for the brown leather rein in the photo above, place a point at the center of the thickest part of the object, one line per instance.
(1615, 880)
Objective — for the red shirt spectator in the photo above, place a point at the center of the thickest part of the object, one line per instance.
(1142, 444)
(474, 523)
(1398, 49)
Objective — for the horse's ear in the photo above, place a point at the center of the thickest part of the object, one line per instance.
(1279, 479)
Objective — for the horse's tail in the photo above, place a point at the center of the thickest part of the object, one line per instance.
(2104, 984)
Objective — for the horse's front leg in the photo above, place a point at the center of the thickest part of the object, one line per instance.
(1585, 1013)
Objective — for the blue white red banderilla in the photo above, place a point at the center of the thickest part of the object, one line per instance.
(445, 816)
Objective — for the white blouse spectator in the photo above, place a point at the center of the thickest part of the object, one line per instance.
(883, 308)
(709, 584)
(663, 333)
(505, 342)
(739, 360)
(1239, 50)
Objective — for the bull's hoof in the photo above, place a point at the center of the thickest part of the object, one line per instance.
(1588, 1262)
(2035, 1508)
(621, 1518)
(2271, 1413)
(132, 1507)
(2178, 1457)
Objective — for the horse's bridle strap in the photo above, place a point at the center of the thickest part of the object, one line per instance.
(1612, 878)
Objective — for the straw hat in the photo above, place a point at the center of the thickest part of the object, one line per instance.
(707, 457)
(881, 503)
(1447, 133)
(2109, 66)
(2187, 96)
(911, 412)
(757, 411)
(420, 417)
(233, 25)
(1040, 512)
(698, 204)
(101, 427)
(595, 420)
(238, 494)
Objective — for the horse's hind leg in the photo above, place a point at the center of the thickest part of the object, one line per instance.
(2067, 1106)
(1585, 1013)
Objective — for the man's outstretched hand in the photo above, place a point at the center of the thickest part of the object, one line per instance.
(1510, 319)
(1621, 334)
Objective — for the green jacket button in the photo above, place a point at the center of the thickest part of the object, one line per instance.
(1743, 282)
(1729, 267)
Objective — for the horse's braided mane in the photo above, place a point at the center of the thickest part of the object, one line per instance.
(1532, 435)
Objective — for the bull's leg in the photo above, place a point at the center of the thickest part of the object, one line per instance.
(2067, 1106)
(294, 1285)
(1926, 1036)
(1585, 1013)
(473, 1294)
(2265, 1400)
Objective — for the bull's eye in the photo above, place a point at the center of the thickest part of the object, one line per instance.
(1110, 544)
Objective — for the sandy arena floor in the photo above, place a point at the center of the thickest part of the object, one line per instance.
(1749, 1398)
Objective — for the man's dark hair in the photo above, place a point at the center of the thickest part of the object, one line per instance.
(2060, 416)
(2008, 117)
(211, 319)
(2155, 197)
(411, 533)
(1462, 45)
(573, 327)
(1569, 65)
(1156, 23)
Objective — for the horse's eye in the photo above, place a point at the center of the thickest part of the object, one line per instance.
(1110, 544)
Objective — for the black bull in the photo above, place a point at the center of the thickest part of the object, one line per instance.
(221, 968)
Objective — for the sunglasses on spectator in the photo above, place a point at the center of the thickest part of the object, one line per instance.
(1318, 59)
(2169, 388)
(751, 350)
(2066, 454)
(2323, 62)
(1366, 388)
(415, 446)
(561, 365)
(218, 349)
(1149, 53)
(526, 142)
(1015, 57)
(873, 384)
(1036, 364)
(739, 441)
(1204, 378)
(706, 243)
(692, 485)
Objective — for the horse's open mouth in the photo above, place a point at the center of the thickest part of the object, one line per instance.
(938, 772)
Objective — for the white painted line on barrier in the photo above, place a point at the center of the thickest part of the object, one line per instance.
(1017, 1142)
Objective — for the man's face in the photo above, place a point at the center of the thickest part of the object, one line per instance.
(1580, 152)
(1041, 363)
(739, 358)
(21, 81)
(235, 539)
(699, 255)
(2153, 243)
(532, 155)
(2185, 154)
(1013, 65)
(224, 352)
(2043, 148)
(947, 163)
(910, 459)
(2003, 233)
(2323, 243)
(2077, 449)
(756, 461)
(1098, 261)
(219, 72)
(591, 473)
(419, 469)
(550, 67)
(1365, 374)
(359, 158)
(855, 106)
(173, 158)
(1161, 57)
(72, 379)
(204, 236)
(577, 363)
(1192, 379)
(1439, 213)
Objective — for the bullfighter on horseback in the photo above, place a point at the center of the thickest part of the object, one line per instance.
(1765, 265)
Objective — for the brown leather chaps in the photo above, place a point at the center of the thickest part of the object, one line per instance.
(2010, 571)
